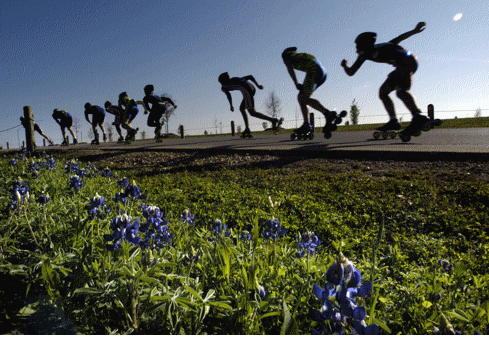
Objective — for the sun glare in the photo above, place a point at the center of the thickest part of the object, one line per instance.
(457, 17)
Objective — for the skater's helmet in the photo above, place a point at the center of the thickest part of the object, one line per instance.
(365, 40)
(107, 104)
(88, 105)
(122, 95)
(223, 77)
(288, 52)
(148, 89)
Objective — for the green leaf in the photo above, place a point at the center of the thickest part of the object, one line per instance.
(193, 292)
(426, 304)
(381, 324)
(287, 319)
(220, 305)
(456, 315)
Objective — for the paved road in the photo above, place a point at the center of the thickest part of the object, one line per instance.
(438, 144)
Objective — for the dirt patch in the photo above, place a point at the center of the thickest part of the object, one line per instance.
(154, 162)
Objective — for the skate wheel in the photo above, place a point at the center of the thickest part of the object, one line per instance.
(327, 134)
(417, 134)
(436, 122)
(405, 138)
(293, 137)
(392, 135)
(333, 127)
(343, 114)
(311, 136)
(385, 135)
(377, 135)
(338, 121)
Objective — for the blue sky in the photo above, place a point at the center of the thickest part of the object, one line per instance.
(62, 54)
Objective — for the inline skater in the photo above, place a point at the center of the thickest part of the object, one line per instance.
(245, 86)
(130, 112)
(156, 110)
(37, 129)
(98, 118)
(117, 111)
(65, 121)
(315, 77)
(399, 80)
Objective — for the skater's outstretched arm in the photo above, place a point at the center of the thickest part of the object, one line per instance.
(354, 68)
(139, 102)
(163, 99)
(418, 29)
(251, 78)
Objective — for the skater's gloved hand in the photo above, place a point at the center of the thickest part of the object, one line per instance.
(420, 27)
(344, 63)
(232, 109)
(260, 87)
(299, 87)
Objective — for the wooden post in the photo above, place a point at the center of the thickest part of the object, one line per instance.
(232, 128)
(431, 112)
(29, 129)
(311, 119)
(23, 144)
(44, 142)
(182, 132)
(8, 145)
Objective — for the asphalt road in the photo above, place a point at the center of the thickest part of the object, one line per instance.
(438, 144)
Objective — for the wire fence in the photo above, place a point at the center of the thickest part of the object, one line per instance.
(225, 128)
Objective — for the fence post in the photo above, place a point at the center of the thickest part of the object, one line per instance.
(29, 129)
(431, 112)
(44, 142)
(311, 119)
(232, 128)
(8, 145)
(182, 132)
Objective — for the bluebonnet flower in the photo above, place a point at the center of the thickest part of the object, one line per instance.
(273, 230)
(156, 229)
(127, 190)
(307, 241)
(343, 284)
(217, 230)
(83, 173)
(12, 162)
(50, 163)
(245, 236)
(33, 167)
(43, 199)
(107, 172)
(20, 193)
(446, 265)
(72, 167)
(187, 217)
(24, 151)
(123, 183)
(261, 291)
(97, 207)
(122, 230)
(75, 182)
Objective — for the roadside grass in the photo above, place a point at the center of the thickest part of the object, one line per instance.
(402, 232)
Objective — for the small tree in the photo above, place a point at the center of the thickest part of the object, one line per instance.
(265, 125)
(354, 112)
(90, 134)
(206, 133)
(143, 135)
(110, 130)
(478, 113)
(273, 105)
(170, 110)
(238, 129)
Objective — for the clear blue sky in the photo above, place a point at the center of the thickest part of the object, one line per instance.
(62, 54)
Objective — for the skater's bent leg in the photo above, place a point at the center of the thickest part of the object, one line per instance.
(259, 115)
(408, 100)
(245, 116)
(384, 91)
(303, 98)
(317, 106)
